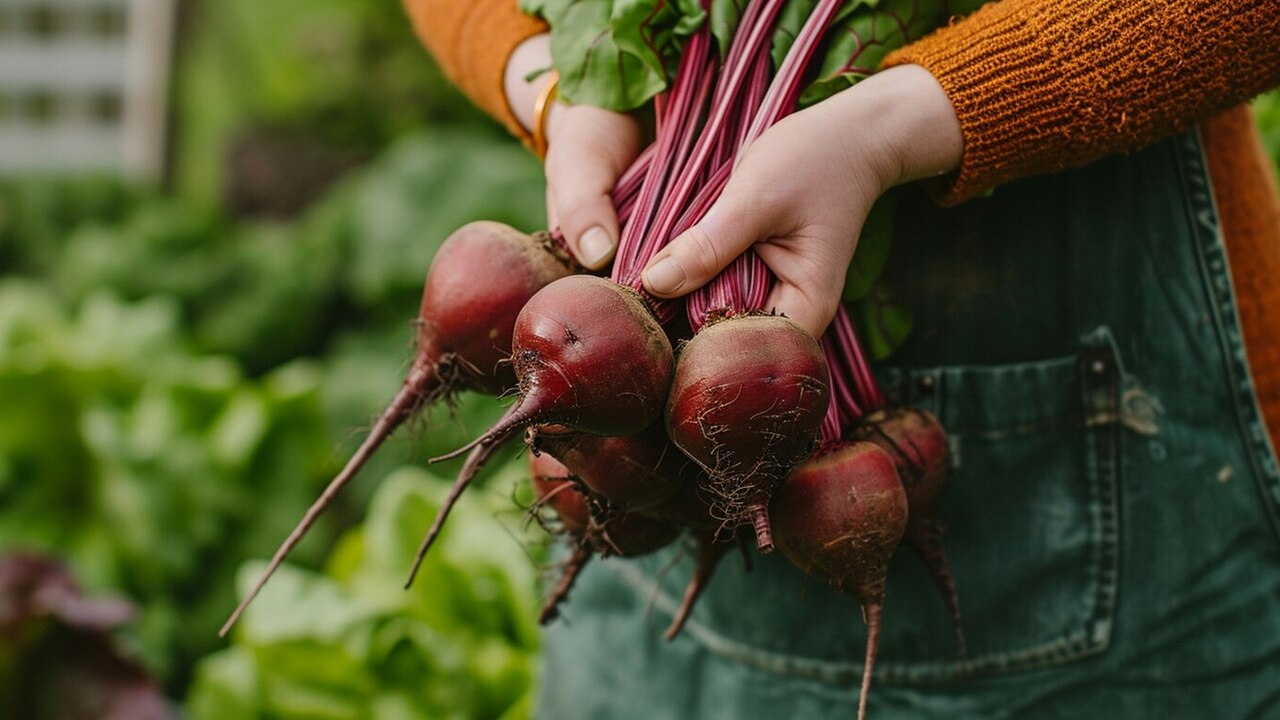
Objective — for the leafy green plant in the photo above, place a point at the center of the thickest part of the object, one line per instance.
(351, 643)
(147, 466)
(1266, 110)
(348, 74)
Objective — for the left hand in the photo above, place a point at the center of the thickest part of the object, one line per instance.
(588, 149)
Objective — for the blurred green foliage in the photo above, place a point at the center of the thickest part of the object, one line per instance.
(347, 73)
(1266, 111)
(180, 384)
(349, 643)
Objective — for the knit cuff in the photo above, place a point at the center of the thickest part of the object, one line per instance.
(980, 65)
(1040, 86)
(472, 41)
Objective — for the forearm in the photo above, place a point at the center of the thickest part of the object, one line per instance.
(1042, 85)
(473, 40)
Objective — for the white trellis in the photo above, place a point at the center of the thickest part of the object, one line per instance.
(83, 85)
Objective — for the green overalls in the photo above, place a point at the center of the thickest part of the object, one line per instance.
(1114, 514)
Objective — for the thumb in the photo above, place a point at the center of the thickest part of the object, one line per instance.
(698, 254)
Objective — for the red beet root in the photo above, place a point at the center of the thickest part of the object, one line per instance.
(918, 444)
(464, 337)
(708, 558)
(588, 355)
(839, 517)
(476, 460)
(625, 534)
(553, 488)
(748, 397)
(632, 472)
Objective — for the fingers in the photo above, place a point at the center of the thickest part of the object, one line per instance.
(698, 254)
(588, 150)
(809, 272)
(810, 308)
(579, 203)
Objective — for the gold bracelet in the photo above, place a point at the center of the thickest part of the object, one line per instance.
(541, 110)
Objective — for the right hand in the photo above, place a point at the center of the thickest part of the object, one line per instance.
(802, 190)
(588, 149)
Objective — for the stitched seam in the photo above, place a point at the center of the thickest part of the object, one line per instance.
(1216, 272)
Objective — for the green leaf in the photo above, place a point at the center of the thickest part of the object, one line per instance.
(725, 15)
(873, 248)
(618, 54)
(594, 68)
(313, 680)
(226, 686)
(862, 37)
(884, 323)
(296, 604)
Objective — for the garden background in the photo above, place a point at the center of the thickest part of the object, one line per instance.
(184, 364)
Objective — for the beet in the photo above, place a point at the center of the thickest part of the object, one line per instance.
(625, 535)
(918, 444)
(592, 527)
(587, 355)
(480, 279)
(748, 397)
(839, 517)
(632, 472)
(476, 460)
(464, 335)
(553, 488)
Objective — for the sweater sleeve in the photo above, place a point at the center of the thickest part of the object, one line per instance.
(1043, 85)
(471, 40)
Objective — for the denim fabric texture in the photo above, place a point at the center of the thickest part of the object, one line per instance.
(1114, 513)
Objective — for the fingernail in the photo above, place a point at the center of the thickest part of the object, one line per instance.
(665, 277)
(595, 246)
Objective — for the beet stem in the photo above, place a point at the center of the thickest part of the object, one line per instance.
(764, 535)
(519, 415)
(421, 386)
(926, 539)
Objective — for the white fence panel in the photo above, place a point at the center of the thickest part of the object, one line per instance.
(83, 85)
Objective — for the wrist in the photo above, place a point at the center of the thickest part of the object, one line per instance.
(523, 82)
(903, 123)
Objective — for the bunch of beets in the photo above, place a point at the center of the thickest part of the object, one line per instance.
(753, 429)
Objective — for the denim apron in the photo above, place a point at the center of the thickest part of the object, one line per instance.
(1114, 513)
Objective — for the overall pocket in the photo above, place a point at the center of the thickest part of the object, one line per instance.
(1032, 516)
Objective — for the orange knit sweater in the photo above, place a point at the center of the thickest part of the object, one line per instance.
(1039, 86)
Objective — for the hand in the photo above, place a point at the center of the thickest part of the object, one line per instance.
(588, 149)
(803, 189)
